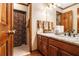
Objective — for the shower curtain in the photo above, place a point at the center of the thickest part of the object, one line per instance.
(20, 27)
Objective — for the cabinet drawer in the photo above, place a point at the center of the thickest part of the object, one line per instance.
(71, 48)
(44, 39)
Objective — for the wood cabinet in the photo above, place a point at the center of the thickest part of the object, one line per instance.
(64, 53)
(44, 49)
(52, 50)
(54, 47)
(57, 48)
(42, 44)
(39, 42)
(67, 20)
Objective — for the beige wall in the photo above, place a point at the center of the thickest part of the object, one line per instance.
(39, 13)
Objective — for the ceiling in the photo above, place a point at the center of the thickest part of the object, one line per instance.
(60, 5)
(65, 5)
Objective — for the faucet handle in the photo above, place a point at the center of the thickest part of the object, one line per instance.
(73, 30)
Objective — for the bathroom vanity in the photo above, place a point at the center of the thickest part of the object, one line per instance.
(50, 44)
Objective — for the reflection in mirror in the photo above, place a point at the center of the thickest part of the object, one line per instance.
(65, 19)
(58, 18)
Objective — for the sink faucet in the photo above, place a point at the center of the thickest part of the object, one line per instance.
(73, 32)
(69, 33)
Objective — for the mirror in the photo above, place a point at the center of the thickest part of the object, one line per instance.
(65, 19)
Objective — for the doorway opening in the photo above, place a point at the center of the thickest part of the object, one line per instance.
(22, 26)
(20, 37)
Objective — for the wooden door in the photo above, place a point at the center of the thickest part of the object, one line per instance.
(70, 20)
(64, 21)
(67, 21)
(52, 50)
(6, 34)
(3, 38)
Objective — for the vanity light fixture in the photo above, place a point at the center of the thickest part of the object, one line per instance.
(53, 5)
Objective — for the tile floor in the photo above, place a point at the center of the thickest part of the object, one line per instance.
(21, 50)
(34, 53)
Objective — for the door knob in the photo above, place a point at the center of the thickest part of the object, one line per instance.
(11, 32)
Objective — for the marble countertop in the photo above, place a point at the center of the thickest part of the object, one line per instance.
(73, 40)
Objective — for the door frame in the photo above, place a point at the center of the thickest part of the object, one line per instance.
(29, 6)
(9, 44)
(30, 26)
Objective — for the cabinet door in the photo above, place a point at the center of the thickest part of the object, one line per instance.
(64, 53)
(3, 50)
(39, 45)
(42, 44)
(44, 49)
(39, 42)
(52, 50)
